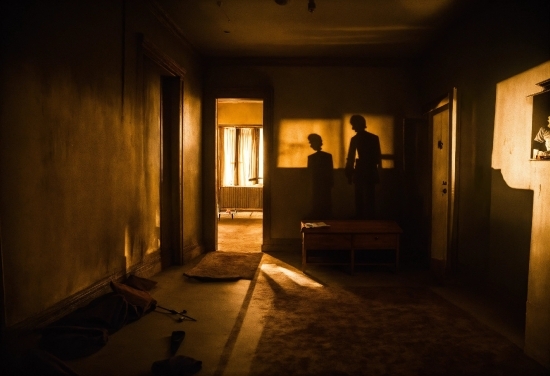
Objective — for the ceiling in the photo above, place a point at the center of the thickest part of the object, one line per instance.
(336, 28)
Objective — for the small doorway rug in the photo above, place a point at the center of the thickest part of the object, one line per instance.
(226, 266)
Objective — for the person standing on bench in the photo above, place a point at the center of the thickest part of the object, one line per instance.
(363, 171)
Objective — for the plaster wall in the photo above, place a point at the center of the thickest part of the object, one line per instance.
(511, 150)
(78, 200)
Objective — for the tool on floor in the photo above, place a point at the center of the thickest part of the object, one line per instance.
(175, 341)
(182, 314)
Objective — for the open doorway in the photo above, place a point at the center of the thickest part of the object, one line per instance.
(163, 156)
(240, 174)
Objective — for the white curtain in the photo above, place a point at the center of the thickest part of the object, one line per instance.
(261, 157)
(242, 159)
(245, 155)
(229, 145)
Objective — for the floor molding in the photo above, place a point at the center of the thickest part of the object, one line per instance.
(149, 266)
(282, 245)
(192, 251)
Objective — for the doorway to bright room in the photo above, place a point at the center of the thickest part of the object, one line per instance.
(239, 180)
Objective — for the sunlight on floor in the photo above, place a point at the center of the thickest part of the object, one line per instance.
(302, 280)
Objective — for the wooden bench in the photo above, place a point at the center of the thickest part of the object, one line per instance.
(351, 236)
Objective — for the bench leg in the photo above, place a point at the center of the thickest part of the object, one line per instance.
(352, 261)
(304, 258)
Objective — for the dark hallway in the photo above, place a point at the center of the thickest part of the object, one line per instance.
(110, 133)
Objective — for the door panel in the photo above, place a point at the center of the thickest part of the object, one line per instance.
(440, 121)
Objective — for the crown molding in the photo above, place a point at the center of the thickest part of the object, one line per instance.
(162, 16)
(150, 50)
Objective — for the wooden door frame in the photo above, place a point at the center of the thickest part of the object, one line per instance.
(210, 148)
(2, 291)
(171, 154)
(451, 262)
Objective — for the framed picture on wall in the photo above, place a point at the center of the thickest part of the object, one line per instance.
(540, 132)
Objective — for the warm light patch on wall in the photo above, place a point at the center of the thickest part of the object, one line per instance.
(127, 247)
(294, 146)
(512, 137)
(388, 163)
(336, 133)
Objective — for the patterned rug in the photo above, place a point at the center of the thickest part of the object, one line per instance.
(310, 329)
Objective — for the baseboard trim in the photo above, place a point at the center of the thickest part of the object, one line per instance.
(149, 266)
(192, 251)
(282, 245)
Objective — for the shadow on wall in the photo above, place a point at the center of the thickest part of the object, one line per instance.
(300, 192)
(326, 194)
(321, 174)
(510, 242)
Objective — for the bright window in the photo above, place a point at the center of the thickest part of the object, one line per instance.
(241, 156)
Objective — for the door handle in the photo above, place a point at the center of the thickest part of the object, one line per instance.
(444, 190)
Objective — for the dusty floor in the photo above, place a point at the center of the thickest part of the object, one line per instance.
(223, 335)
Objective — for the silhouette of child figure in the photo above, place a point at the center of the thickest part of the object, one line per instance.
(320, 168)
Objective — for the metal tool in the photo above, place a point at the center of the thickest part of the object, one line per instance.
(182, 315)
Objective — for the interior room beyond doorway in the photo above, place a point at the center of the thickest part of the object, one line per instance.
(239, 180)
(242, 233)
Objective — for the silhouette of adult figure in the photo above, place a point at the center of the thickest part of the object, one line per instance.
(363, 171)
(320, 168)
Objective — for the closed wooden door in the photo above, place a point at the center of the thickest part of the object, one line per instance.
(440, 121)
